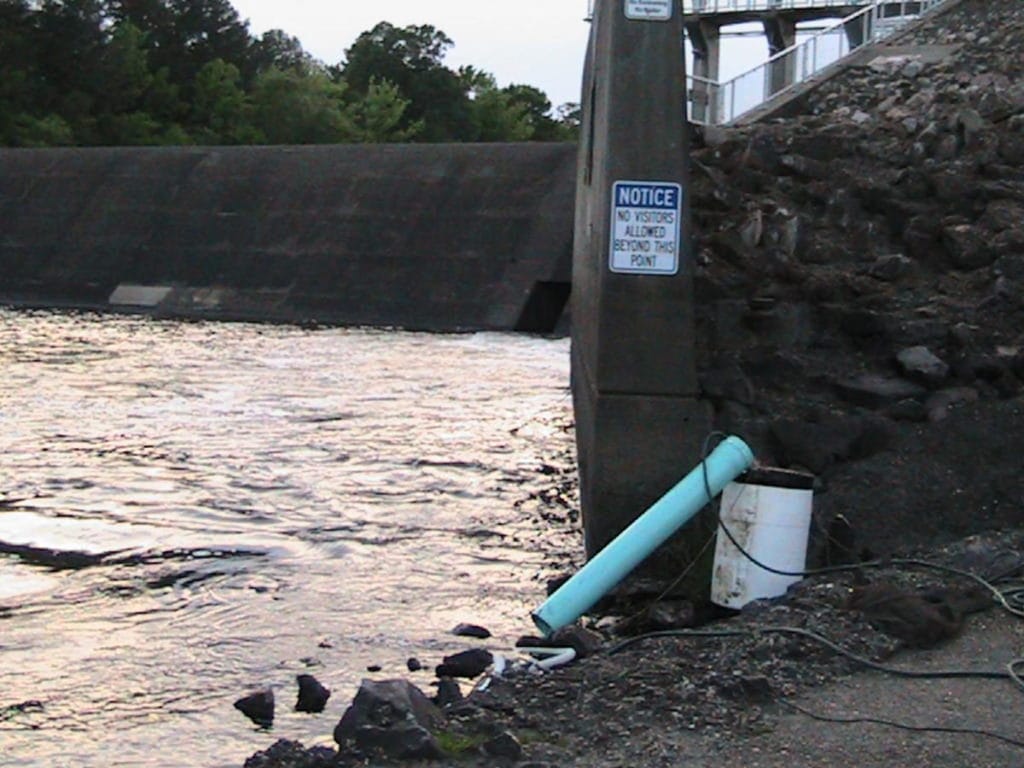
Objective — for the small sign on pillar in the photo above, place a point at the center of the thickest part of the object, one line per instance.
(645, 227)
(649, 10)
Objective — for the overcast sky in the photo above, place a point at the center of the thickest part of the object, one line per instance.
(536, 42)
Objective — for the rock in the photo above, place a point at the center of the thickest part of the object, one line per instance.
(818, 445)
(1001, 215)
(805, 167)
(908, 410)
(912, 69)
(258, 707)
(392, 718)
(448, 692)
(671, 614)
(783, 233)
(891, 268)
(751, 230)
(962, 335)
(471, 630)
(923, 239)
(921, 364)
(918, 332)
(751, 689)
(402, 741)
(874, 390)
(947, 148)
(580, 639)
(1011, 149)
(938, 404)
(505, 746)
(291, 754)
(861, 324)
(1009, 242)
(953, 186)
(727, 382)
(469, 663)
(860, 118)
(921, 619)
(967, 250)
(313, 695)
(970, 125)
(413, 664)
(554, 584)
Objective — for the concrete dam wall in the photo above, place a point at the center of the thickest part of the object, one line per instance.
(433, 237)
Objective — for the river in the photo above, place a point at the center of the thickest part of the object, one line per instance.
(190, 511)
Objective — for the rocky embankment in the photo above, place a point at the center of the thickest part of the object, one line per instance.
(860, 276)
(860, 281)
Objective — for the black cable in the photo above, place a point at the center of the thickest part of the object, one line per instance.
(902, 726)
(623, 644)
(1011, 670)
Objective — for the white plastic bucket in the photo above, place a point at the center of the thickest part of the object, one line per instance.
(768, 512)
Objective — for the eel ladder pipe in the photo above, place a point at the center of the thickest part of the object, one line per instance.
(631, 547)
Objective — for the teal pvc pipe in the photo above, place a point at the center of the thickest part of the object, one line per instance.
(627, 550)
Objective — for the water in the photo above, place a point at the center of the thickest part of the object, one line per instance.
(191, 511)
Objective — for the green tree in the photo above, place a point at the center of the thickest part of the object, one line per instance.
(49, 131)
(411, 59)
(205, 30)
(537, 112)
(496, 115)
(279, 50)
(18, 73)
(377, 117)
(221, 111)
(295, 108)
(125, 68)
(70, 40)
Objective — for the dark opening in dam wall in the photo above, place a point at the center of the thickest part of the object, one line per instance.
(433, 237)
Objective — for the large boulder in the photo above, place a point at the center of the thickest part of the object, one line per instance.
(392, 718)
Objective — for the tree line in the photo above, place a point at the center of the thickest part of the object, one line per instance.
(161, 72)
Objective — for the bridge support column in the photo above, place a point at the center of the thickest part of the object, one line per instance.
(781, 34)
(705, 40)
(639, 424)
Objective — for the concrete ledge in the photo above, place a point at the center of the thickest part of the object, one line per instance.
(433, 237)
(126, 295)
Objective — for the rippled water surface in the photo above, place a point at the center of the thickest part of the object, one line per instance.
(190, 511)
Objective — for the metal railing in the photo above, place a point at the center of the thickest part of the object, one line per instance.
(712, 102)
(753, 6)
(691, 7)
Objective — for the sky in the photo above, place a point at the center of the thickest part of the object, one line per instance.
(532, 42)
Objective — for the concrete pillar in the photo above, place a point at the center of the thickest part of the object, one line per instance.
(705, 40)
(781, 34)
(639, 425)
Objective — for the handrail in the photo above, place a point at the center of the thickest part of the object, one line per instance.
(693, 7)
(713, 102)
(743, 6)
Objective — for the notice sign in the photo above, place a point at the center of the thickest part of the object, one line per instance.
(649, 10)
(645, 227)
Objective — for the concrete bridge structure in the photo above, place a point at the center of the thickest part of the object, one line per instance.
(854, 23)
